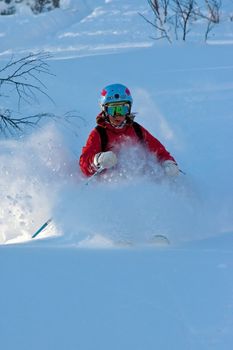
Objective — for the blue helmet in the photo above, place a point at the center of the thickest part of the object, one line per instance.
(115, 93)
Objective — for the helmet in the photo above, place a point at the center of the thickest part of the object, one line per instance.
(115, 93)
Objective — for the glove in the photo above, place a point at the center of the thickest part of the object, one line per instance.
(105, 160)
(170, 168)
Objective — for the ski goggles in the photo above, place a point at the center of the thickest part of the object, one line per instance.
(118, 109)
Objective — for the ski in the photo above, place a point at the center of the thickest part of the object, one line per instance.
(159, 240)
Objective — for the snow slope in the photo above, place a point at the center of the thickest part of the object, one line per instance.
(118, 299)
(56, 291)
(82, 28)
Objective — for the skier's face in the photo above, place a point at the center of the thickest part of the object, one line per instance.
(117, 112)
(117, 120)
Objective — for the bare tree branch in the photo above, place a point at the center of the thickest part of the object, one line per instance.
(162, 33)
(185, 15)
(175, 18)
(212, 16)
(24, 76)
(10, 125)
(160, 18)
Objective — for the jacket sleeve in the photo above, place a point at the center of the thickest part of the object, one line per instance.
(89, 151)
(156, 147)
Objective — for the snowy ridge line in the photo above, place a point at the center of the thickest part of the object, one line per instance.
(220, 42)
(61, 53)
(198, 69)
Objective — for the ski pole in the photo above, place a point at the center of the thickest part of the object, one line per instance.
(96, 173)
(182, 172)
(42, 228)
(50, 220)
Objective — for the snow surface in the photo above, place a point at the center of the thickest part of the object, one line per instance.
(75, 286)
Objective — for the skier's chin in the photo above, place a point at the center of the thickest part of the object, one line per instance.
(117, 121)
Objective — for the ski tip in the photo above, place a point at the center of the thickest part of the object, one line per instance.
(159, 240)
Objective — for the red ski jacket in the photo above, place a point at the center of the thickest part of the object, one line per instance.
(116, 137)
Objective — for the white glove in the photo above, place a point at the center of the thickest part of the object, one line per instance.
(170, 168)
(105, 160)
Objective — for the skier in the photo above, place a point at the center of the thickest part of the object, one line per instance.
(116, 126)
